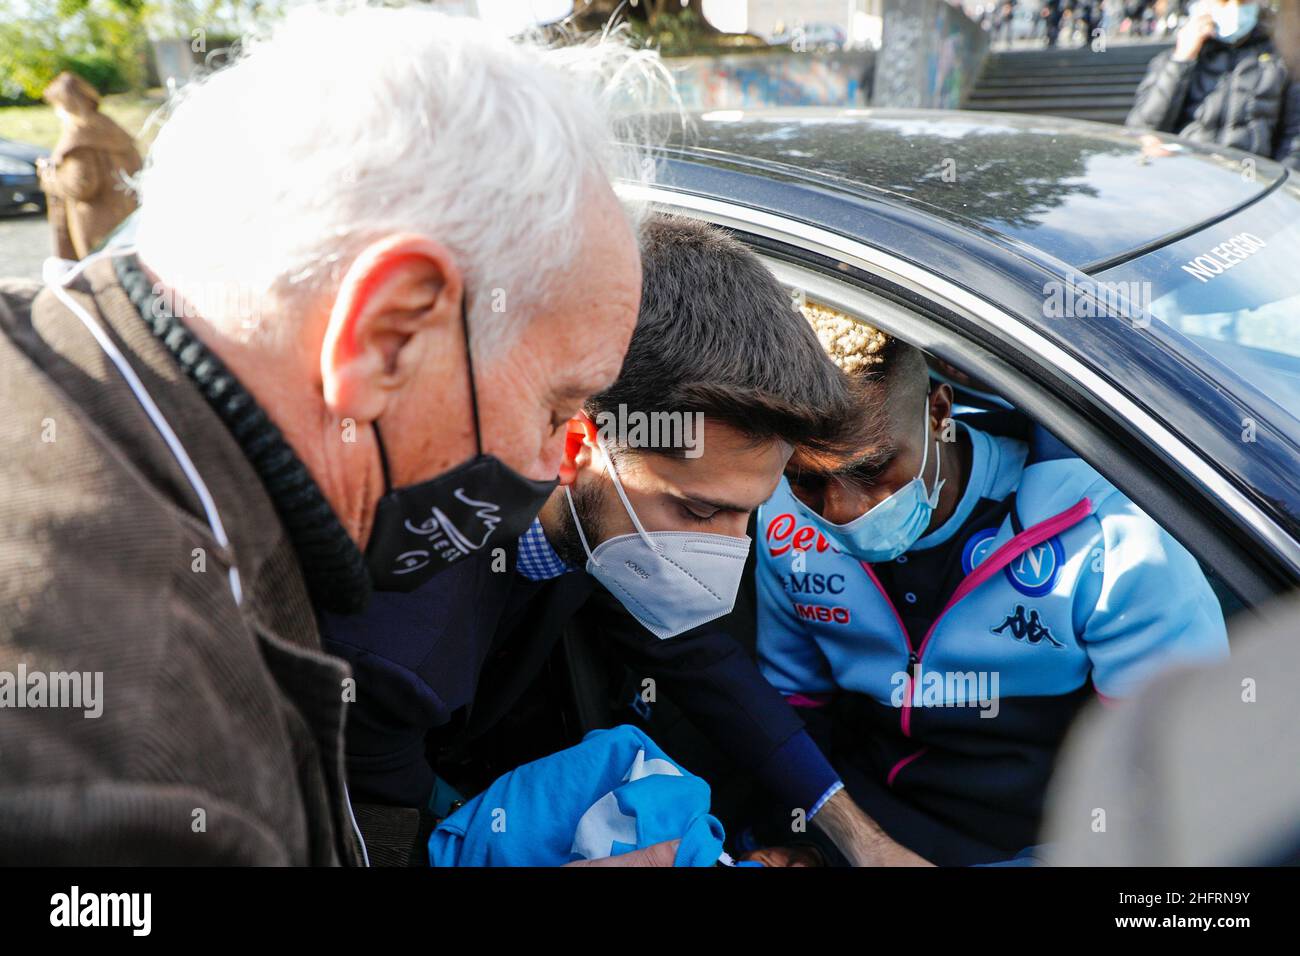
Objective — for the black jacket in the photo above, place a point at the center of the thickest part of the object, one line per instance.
(1240, 96)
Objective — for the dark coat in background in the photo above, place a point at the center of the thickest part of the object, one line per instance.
(1241, 96)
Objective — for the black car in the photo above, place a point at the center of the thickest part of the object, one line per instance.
(20, 189)
(1133, 294)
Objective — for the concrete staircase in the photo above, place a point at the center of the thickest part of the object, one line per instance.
(1076, 83)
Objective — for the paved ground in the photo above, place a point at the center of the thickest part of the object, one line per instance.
(24, 245)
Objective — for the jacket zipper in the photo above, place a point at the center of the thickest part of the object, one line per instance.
(994, 563)
(913, 657)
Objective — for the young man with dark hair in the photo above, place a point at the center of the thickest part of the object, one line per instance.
(979, 583)
(722, 384)
(723, 380)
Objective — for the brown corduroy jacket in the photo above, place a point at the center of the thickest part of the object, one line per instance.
(220, 737)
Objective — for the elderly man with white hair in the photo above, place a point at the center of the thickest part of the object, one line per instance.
(379, 265)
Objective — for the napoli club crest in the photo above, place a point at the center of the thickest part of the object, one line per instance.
(1033, 572)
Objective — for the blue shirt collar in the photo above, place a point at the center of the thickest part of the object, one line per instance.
(538, 560)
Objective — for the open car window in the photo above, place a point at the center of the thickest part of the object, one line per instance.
(978, 396)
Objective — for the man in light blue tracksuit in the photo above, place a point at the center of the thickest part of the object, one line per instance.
(940, 609)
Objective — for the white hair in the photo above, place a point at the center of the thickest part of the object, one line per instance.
(273, 173)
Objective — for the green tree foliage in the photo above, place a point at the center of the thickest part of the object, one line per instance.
(673, 27)
(106, 41)
(102, 40)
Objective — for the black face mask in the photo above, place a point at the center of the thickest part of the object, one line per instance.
(426, 528)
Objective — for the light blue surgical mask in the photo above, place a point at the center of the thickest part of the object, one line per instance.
(891, 527)
(1234, 20)
(670, 581)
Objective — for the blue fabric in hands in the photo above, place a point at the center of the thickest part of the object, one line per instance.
(613, 793)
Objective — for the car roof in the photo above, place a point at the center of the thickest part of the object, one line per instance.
(1084, 194)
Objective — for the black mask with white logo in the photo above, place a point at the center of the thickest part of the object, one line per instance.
(423, 529)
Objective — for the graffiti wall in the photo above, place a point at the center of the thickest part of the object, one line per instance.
(930, 55)
(774, 79)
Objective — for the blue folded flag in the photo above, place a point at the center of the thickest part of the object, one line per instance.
(613, 793)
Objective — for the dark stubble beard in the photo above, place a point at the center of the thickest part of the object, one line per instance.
(587, 501)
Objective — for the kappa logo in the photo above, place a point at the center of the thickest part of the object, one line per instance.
(1023, 628)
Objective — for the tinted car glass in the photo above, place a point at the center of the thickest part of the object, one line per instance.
(1227, 299)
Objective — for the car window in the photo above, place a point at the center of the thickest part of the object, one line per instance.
(985, 382)
(1228, 298)
(982, 405)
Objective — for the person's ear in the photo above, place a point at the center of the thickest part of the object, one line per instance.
(398, 304)
(940, 408)
(579, 438)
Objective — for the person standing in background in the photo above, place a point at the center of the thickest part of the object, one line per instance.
(1224, 83)
(1089, 15)
(1052, 13)
(85, 177)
